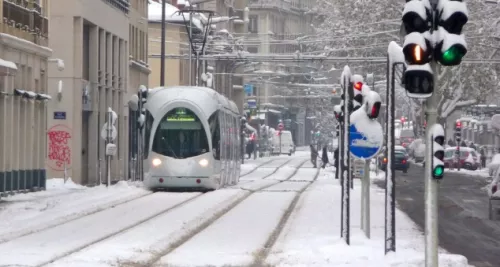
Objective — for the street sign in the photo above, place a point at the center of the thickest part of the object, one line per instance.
(104, 132)
(366, 136)
(248, 89)
(59, 115)
(280, 126)
(359, 168)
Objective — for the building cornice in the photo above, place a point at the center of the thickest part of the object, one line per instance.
(25, 45)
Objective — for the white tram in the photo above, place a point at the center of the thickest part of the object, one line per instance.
(191, 139)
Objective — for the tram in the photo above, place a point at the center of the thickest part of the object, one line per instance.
(191, 139)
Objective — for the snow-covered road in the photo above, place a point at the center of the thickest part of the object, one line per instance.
(282, 213)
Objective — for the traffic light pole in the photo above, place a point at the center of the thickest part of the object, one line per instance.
(431, 185)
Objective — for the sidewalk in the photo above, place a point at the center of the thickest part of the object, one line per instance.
(312, 235)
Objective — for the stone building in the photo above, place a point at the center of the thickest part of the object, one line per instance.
(104, 46)
(24, 63)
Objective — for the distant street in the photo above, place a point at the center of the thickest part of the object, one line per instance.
(464, 227)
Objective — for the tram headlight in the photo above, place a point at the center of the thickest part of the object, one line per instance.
(203, 162)
(156, 162)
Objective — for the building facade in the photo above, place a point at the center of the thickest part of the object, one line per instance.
(274, 28)
(176, 70)
(102, 43)
(23, 81)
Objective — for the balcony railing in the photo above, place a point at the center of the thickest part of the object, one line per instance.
(25, 19)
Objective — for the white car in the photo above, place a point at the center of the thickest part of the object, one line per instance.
(494, 164)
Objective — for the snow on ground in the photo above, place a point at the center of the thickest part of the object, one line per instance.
(481, 173)
(141, 243)
(237, 237)
(305, 174)
(288, 186)
(40, 248)
(26, 213)
(311, 237)
(258, 174)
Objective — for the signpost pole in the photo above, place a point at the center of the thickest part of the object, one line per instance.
(108, 141)
(346, 170)
(366, 197)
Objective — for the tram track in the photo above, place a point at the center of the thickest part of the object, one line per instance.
(69, 218)
(184, 239)
(123, 229)
(258, 166)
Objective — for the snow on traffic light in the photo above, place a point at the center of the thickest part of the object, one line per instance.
(451, 46)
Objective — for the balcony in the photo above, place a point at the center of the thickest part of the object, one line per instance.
(25, 19)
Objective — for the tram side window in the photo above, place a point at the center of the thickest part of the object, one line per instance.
(148, 125)
(213, 121)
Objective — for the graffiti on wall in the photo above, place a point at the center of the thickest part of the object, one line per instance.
(59, 147)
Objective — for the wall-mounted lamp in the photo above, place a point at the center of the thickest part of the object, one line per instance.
(60, 63)
(59, 90)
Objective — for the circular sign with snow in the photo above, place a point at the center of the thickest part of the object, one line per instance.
(366, 136)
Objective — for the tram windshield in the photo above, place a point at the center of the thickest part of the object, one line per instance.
(180, 135)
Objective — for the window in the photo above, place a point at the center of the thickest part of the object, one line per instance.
(253, 49)
(253, 24)
(148, 125)
(180, 135)
(213, 121)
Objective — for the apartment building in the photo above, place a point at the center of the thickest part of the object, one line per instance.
(103, 44)
(274, 26)
(24, 63)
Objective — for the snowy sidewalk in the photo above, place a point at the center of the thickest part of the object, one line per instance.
(311, 236)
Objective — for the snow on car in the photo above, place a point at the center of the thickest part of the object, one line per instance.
(494, 164)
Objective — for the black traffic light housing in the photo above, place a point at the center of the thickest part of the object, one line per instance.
(452, 15)
(437, 143)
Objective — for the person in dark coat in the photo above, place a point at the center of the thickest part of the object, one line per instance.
(336, 162)
(324, 157)
(314, 155)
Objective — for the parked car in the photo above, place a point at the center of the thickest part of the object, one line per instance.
(469, 158)
(401, 161)
(493, 165)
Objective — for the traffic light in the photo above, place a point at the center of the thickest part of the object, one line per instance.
(417, 22)
(451, 46)
(458, 132)
(143, 98)
(372, 103)
(437, 142)
(417, 48)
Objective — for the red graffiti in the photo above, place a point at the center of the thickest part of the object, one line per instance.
(59, 147)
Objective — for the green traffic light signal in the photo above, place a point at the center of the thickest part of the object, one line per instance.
(438, 171)
(452, 56)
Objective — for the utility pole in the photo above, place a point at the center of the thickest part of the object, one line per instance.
(163, 37)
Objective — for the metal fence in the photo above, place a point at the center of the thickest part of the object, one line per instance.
(22, 181)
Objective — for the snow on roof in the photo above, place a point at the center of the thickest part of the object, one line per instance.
(395, 52)
(8, 64)
(171, 15)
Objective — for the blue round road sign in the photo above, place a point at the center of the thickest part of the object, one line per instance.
(359, 144)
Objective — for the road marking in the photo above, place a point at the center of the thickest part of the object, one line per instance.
(407, 198)
(471, 201)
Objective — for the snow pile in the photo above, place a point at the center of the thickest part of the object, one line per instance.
(311, 237)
